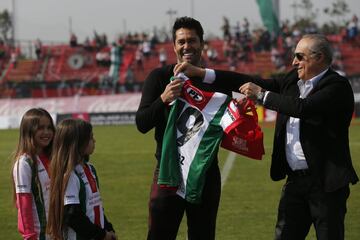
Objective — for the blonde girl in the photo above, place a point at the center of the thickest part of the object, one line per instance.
(76, 206)
(30, 173)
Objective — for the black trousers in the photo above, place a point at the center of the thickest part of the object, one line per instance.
(166, 210)
(303, 203)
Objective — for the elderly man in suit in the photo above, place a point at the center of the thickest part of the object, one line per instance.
(311, 142)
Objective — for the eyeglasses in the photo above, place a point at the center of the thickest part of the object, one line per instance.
(300, 56)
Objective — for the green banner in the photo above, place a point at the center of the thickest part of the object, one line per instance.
(269, 14)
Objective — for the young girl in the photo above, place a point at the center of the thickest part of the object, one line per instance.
(31, 173)
(76, 210)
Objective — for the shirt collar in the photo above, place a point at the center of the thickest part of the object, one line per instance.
(313, 81)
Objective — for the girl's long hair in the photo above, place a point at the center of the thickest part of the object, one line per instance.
(29, 125)
(71, 139)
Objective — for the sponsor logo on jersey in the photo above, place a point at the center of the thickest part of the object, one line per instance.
(195, 94)
(70, 196)
(23, 186)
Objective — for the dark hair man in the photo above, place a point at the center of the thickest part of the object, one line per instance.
(166, 208)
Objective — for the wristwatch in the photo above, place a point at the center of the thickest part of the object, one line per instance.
(260, 96)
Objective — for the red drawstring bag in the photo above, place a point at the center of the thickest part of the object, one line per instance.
(244, 135)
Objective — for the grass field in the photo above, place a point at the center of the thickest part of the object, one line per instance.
(124, 160)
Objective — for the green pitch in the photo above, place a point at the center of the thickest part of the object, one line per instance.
(124, 160)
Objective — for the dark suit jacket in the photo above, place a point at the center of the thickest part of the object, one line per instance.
(325, 115)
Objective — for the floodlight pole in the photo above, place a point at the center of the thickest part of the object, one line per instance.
(171, 12)
(192, 8)
(70, 26)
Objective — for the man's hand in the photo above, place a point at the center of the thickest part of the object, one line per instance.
(172, 91)
(250, 90)
(189, 70)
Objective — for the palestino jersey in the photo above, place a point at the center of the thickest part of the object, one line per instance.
(24, 173)
(83, 189)
(191, 140)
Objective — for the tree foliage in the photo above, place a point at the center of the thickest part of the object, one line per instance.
(5, 25)
(339, 8)
(308, 20)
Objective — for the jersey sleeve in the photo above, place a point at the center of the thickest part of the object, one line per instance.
(22, 175)
(72, 190)
(25, 216)
(151, 108)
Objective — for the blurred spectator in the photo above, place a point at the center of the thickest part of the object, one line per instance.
(87, 44)
(265, 41)
(212, 54)
(289, 46)
(246, 27)
(139, 58)
(226, 49)
(38, 48)
(246, 44)
(277, 59)
(97, 41)
(2, 49)
(226, 28)
(257, 40)
(233, 54)
(14, 57)
(296, 34)
(116, 54)
(2, 58)
(146, 48)
(352, 29)
(103, 59)
(237, 31)
(337, 63)
(129, 79)
(154, 39)
(116, 58)
(73, 40)
(103, 42)
(162, 57)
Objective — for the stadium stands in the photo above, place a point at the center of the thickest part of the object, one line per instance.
(65, 71)
(350, 59)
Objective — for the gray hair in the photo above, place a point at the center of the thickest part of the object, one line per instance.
(320, 44)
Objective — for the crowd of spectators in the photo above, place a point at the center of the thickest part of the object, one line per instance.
(240, 43)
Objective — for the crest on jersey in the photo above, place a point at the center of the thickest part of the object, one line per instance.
(195, 94)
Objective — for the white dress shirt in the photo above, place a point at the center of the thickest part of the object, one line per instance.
(293, 149)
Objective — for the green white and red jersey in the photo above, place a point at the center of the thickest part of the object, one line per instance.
(32, 196)
(83, 189)
(191, 140)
